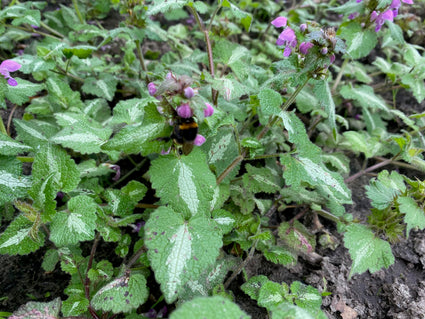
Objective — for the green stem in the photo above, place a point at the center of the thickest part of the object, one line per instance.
(141, 59)
(2, 128)
(214, 93)
(80, 17)
(287, 104)
(327, 215)
(339, 76)
(45, 26)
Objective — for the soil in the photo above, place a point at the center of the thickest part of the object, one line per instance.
(397, 292)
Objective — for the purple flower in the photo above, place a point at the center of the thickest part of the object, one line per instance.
(209, 110)
(358, 1)
(332, 58)
(9, 66)
(380, 18)
(305, 46)
(288, 39)
(407, 1)
(184, 111)
(199, 140)
(189, 92)
(353, 15)
(303, 27)
(279, 22)
(151, 88)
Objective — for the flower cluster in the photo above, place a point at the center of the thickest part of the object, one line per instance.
(325, 41)
(8, 66)
(380, 17)
(178, 93)
(287, 38)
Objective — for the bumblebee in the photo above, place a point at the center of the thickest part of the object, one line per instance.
(184, 133)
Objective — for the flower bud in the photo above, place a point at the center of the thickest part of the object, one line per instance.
(324, 50)
(184, 111)
(199, 140)
(189, 92)
(151, 88)
(303, 27)
(209, 110)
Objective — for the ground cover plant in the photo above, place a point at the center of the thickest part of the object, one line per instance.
(151, 150)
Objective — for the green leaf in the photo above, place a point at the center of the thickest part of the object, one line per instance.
(32, 310)
(297, 237)
(141, 136)
(19, 238)
(253, 286)
(244, 17)
(75, 305)
(416, 85)
(54, 160)
(180, 249)
(260, 179)
(361, 142)
(365, 96)
(414, 216)
(81, 51)
(304, 169)
(324, 96)
(69, 228)
(215, 307)
(271, 294)
(307, 297)
(23, 91)
(12, 183)
(80, 133)
(61, 95)
(384, 190)
(104, 86)
(289, 311)
(9, 146)
(359, 42)
(224, 219)
(367, 251)
(122, 294)
(185, 183)
(50, 259)
(270, 102)
(395, 31)
(131, 111)
(31, 63)
(280, 255)
(163, 6)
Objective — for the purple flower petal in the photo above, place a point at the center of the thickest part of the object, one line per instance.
(305, 46)
(287, 35)
(407, 1)
(189, 92)
(151, 88)
(12, 82)
(10, 65)
(199, 140)
(209, 110)
(287, 51)
(279, 22)
(184, 111)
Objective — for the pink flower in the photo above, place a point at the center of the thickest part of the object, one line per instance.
(189, 92)
(199, 140)
(288, 39)
(9, 66)
(279, 22)
(151, 88)
(305, 46)
(380, 18)
(184, 111)
(209, 110)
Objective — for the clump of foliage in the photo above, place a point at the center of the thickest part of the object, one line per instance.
(180, 157)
